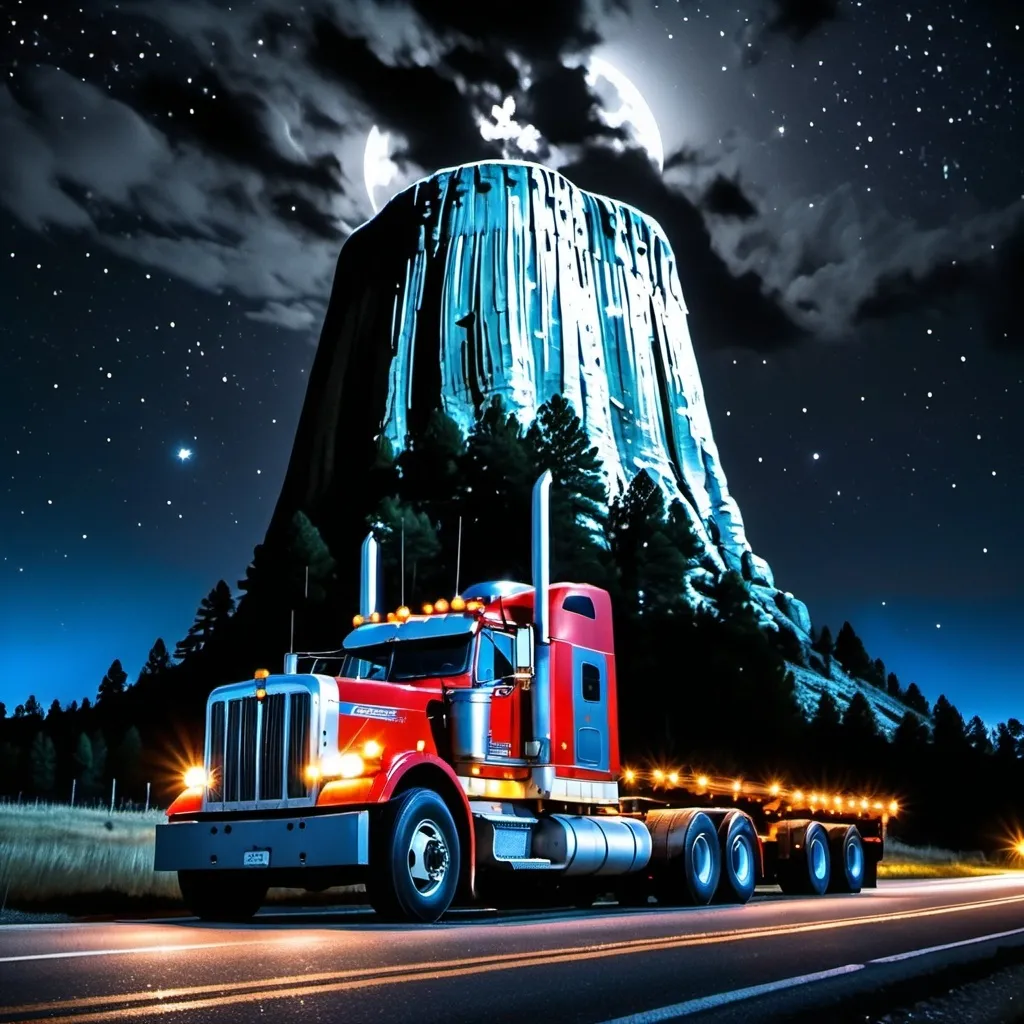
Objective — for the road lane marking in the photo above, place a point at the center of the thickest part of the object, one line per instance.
(358, 978)
(949, 945)
(72, 953)
(737, 995)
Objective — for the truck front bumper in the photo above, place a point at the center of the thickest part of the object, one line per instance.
(319, 841)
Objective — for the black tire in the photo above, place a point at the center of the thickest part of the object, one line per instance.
(738, 841)
(808, 870)
(848, 862)
(416, 858)
(691, 863)
(219, 896)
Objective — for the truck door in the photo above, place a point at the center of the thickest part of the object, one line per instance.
(495, 669)
(590, 709)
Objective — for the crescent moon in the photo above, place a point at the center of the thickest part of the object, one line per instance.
(378, 168)
(635, 109)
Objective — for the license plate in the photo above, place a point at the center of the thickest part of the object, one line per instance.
(256, 859)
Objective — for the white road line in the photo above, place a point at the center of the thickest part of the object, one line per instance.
(949, 945)
(737, 995)
(692, 1006)
(71, 954)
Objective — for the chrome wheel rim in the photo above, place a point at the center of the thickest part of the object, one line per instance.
(819, 863)
(702, 859)
(741, 859)
(428, 858)
(854, 861)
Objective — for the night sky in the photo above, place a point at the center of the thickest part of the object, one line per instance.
(843, 186)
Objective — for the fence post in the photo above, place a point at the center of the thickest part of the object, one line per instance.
(113, 790)
(148, 784)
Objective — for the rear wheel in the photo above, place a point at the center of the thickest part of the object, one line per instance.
(808, 869)
(847, 849)
(416, 857)
(217, 896)
(738, 841)
(687, 846)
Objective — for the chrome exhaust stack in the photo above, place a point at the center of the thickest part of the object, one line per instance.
(543, 775)
(368, 578)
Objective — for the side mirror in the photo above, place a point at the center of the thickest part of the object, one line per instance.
(524, 653)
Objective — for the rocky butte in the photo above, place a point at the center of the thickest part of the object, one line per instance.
(504, 278)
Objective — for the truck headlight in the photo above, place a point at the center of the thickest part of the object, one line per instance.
(345, 766)
(196, 778)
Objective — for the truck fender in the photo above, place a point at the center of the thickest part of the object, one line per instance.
(416, 768)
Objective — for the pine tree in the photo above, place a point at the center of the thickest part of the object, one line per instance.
(892, 685)
(859, 720)
(850, 653)
(735, 602)
(55, 710)
(19, 711)
(3, 710)
(430, 467)
(43, 764)
(878, 672)
(948, 731)
(127, 759)
(112, 684)
(396, 524)
(1007, 747)
(33, 709)
(826, 718)
(86, 704)
(158, 662)
(81, 759)
(825, 646)
(914, 699)
(910, 736)
(72, 707)
(213, 613)
(978, 736)
(312, 565)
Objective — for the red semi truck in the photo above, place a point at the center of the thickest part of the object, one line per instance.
(471, 753)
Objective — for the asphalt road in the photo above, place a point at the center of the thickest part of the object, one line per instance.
(773, 956)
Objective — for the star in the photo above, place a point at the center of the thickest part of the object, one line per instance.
(184, 454)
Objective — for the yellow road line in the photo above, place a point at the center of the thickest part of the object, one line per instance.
(190, 998)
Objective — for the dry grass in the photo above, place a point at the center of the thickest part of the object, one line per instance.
(85, 858)
(51, 852)
(903, 861)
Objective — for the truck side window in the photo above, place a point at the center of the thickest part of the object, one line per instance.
(591, 682)
(495, 658)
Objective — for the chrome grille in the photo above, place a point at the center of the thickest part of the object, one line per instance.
(258, 749)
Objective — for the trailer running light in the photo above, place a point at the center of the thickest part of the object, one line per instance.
(458, 604)
(629, 775)
(702, 781)
(798, 796)
(659, 775)
(774, 790)
(674, 778)
(1018, 847)
(195, 777)
(893, 807)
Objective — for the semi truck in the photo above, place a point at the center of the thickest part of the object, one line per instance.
(470, 752)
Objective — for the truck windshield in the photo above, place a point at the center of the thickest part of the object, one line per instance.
(405, 660)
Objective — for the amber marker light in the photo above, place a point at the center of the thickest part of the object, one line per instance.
(1018, 848)
(261, 693)
(629, 775)
(674, 778)
(458, 604)
(261, 673)
(392, 617)
(702, 781)
(402, 614)
(894, 807)
(375, 616)
(774, 789)
(312, 773)
(441, 606)
(428, 609)
(421, 745)
(798, 796)
(357, 621)
(659, 775)
(195, 777)
(372, 749)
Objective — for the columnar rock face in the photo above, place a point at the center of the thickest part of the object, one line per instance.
(506, 279)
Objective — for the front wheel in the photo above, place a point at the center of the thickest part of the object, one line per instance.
(218, 896)
(416, 856)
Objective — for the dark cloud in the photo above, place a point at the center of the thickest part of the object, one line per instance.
(561, 105)
(420, 103)
(725, 198)
(541, 30)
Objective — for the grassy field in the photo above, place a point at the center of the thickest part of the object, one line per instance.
(49, 853)
(902, 861)
(86, 860)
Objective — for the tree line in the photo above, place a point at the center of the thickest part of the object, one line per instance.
(705, 675)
